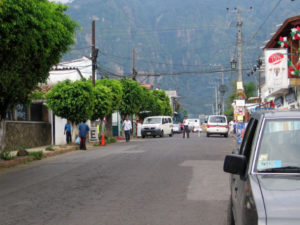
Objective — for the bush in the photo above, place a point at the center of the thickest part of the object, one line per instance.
(36, 155)
(49, 148)
(112, 140)
(5, 155)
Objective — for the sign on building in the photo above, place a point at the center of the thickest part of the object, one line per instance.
(276, 71)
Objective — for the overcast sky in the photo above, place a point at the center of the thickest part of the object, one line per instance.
(62, 1)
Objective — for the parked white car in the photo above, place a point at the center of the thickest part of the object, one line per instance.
(157, 125)
(217, 124)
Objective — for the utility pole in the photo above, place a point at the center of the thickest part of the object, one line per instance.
(239, 42)
(222, 89)
(134, 72)
(216, 96)
(94, 54)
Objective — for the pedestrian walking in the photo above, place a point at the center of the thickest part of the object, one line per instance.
(186, 129)
(127, 126)
(67, 132)
(83, 134)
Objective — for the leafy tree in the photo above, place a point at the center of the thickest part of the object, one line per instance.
(103, 100)
(116, 91)
(152, 105)
(132, 97)
(72, 100)
(33, 36)
(165, 102)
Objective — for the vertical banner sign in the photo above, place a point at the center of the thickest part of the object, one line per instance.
(276, 61)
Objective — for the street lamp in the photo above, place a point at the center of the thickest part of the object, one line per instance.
(233, 64)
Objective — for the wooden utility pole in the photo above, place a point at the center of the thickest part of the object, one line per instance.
(94, 54)
(134, 72)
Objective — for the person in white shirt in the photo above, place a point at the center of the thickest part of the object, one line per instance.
(186, 127)
(127, 128)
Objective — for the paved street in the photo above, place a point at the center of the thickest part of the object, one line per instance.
(161, 181)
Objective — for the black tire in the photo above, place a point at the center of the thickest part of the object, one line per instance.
(230, 219)
(207, 134)
(153, 136)
(143, 136)
(162, 133)
(226, 135)
(171, 135)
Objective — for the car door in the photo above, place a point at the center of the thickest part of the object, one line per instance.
(240, 184)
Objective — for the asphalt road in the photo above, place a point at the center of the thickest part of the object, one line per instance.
(152, 181)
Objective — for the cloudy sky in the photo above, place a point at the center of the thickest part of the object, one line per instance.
(62, 1)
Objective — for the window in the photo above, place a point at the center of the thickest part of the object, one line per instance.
(248, 138)
(279, 146)
(36, 112)
(22, 113)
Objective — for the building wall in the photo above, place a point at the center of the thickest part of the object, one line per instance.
(27, 134)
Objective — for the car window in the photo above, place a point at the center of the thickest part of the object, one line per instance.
(152, 120)
(217, 119)
(248, 138)
(169, 120)
(280, 145)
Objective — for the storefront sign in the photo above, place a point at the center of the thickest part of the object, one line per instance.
(276, 71)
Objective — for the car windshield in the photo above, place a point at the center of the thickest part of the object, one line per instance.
(217, 119)
(279, 149)
(152, 120)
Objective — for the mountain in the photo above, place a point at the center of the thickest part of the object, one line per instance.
(182, 38)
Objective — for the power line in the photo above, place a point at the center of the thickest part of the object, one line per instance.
(275, 7)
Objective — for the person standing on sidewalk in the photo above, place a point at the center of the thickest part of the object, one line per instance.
(127, 126)
(186, 129)
(67, 132)
(83, 134)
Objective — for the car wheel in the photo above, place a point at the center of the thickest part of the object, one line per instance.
(207, 134)
(143, 136)
(162, 133)
(170, 135)
(230, 219)
(226, 135)
(153, 136)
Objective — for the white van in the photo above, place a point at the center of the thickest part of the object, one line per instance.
(157, 125)
(217, 124)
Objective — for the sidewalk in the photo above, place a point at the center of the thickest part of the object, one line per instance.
(49, 151)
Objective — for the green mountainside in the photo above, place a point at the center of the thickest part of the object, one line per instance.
(177, 37)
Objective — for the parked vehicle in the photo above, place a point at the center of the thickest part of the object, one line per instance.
(157, 125)
(197, 129)
(217, 124)
(193, 123)
(265, 171)
(176, 128)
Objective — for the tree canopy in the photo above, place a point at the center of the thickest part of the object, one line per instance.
(103, 101)
(72, 100)
(132, 97)
(33, 36)
(116, 91)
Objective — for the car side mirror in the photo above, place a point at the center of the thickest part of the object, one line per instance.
(235, 164)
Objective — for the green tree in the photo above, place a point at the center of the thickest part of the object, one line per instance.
(132, 97)
(165, 102)
(152, 105)
(72, 100)
(33, 36)
(116, 91)
(103, 100)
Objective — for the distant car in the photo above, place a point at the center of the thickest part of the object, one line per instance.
(157, 125)
(176, 128)
(265, 171)
(197, 129)
(193, 123)
(217, 124)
